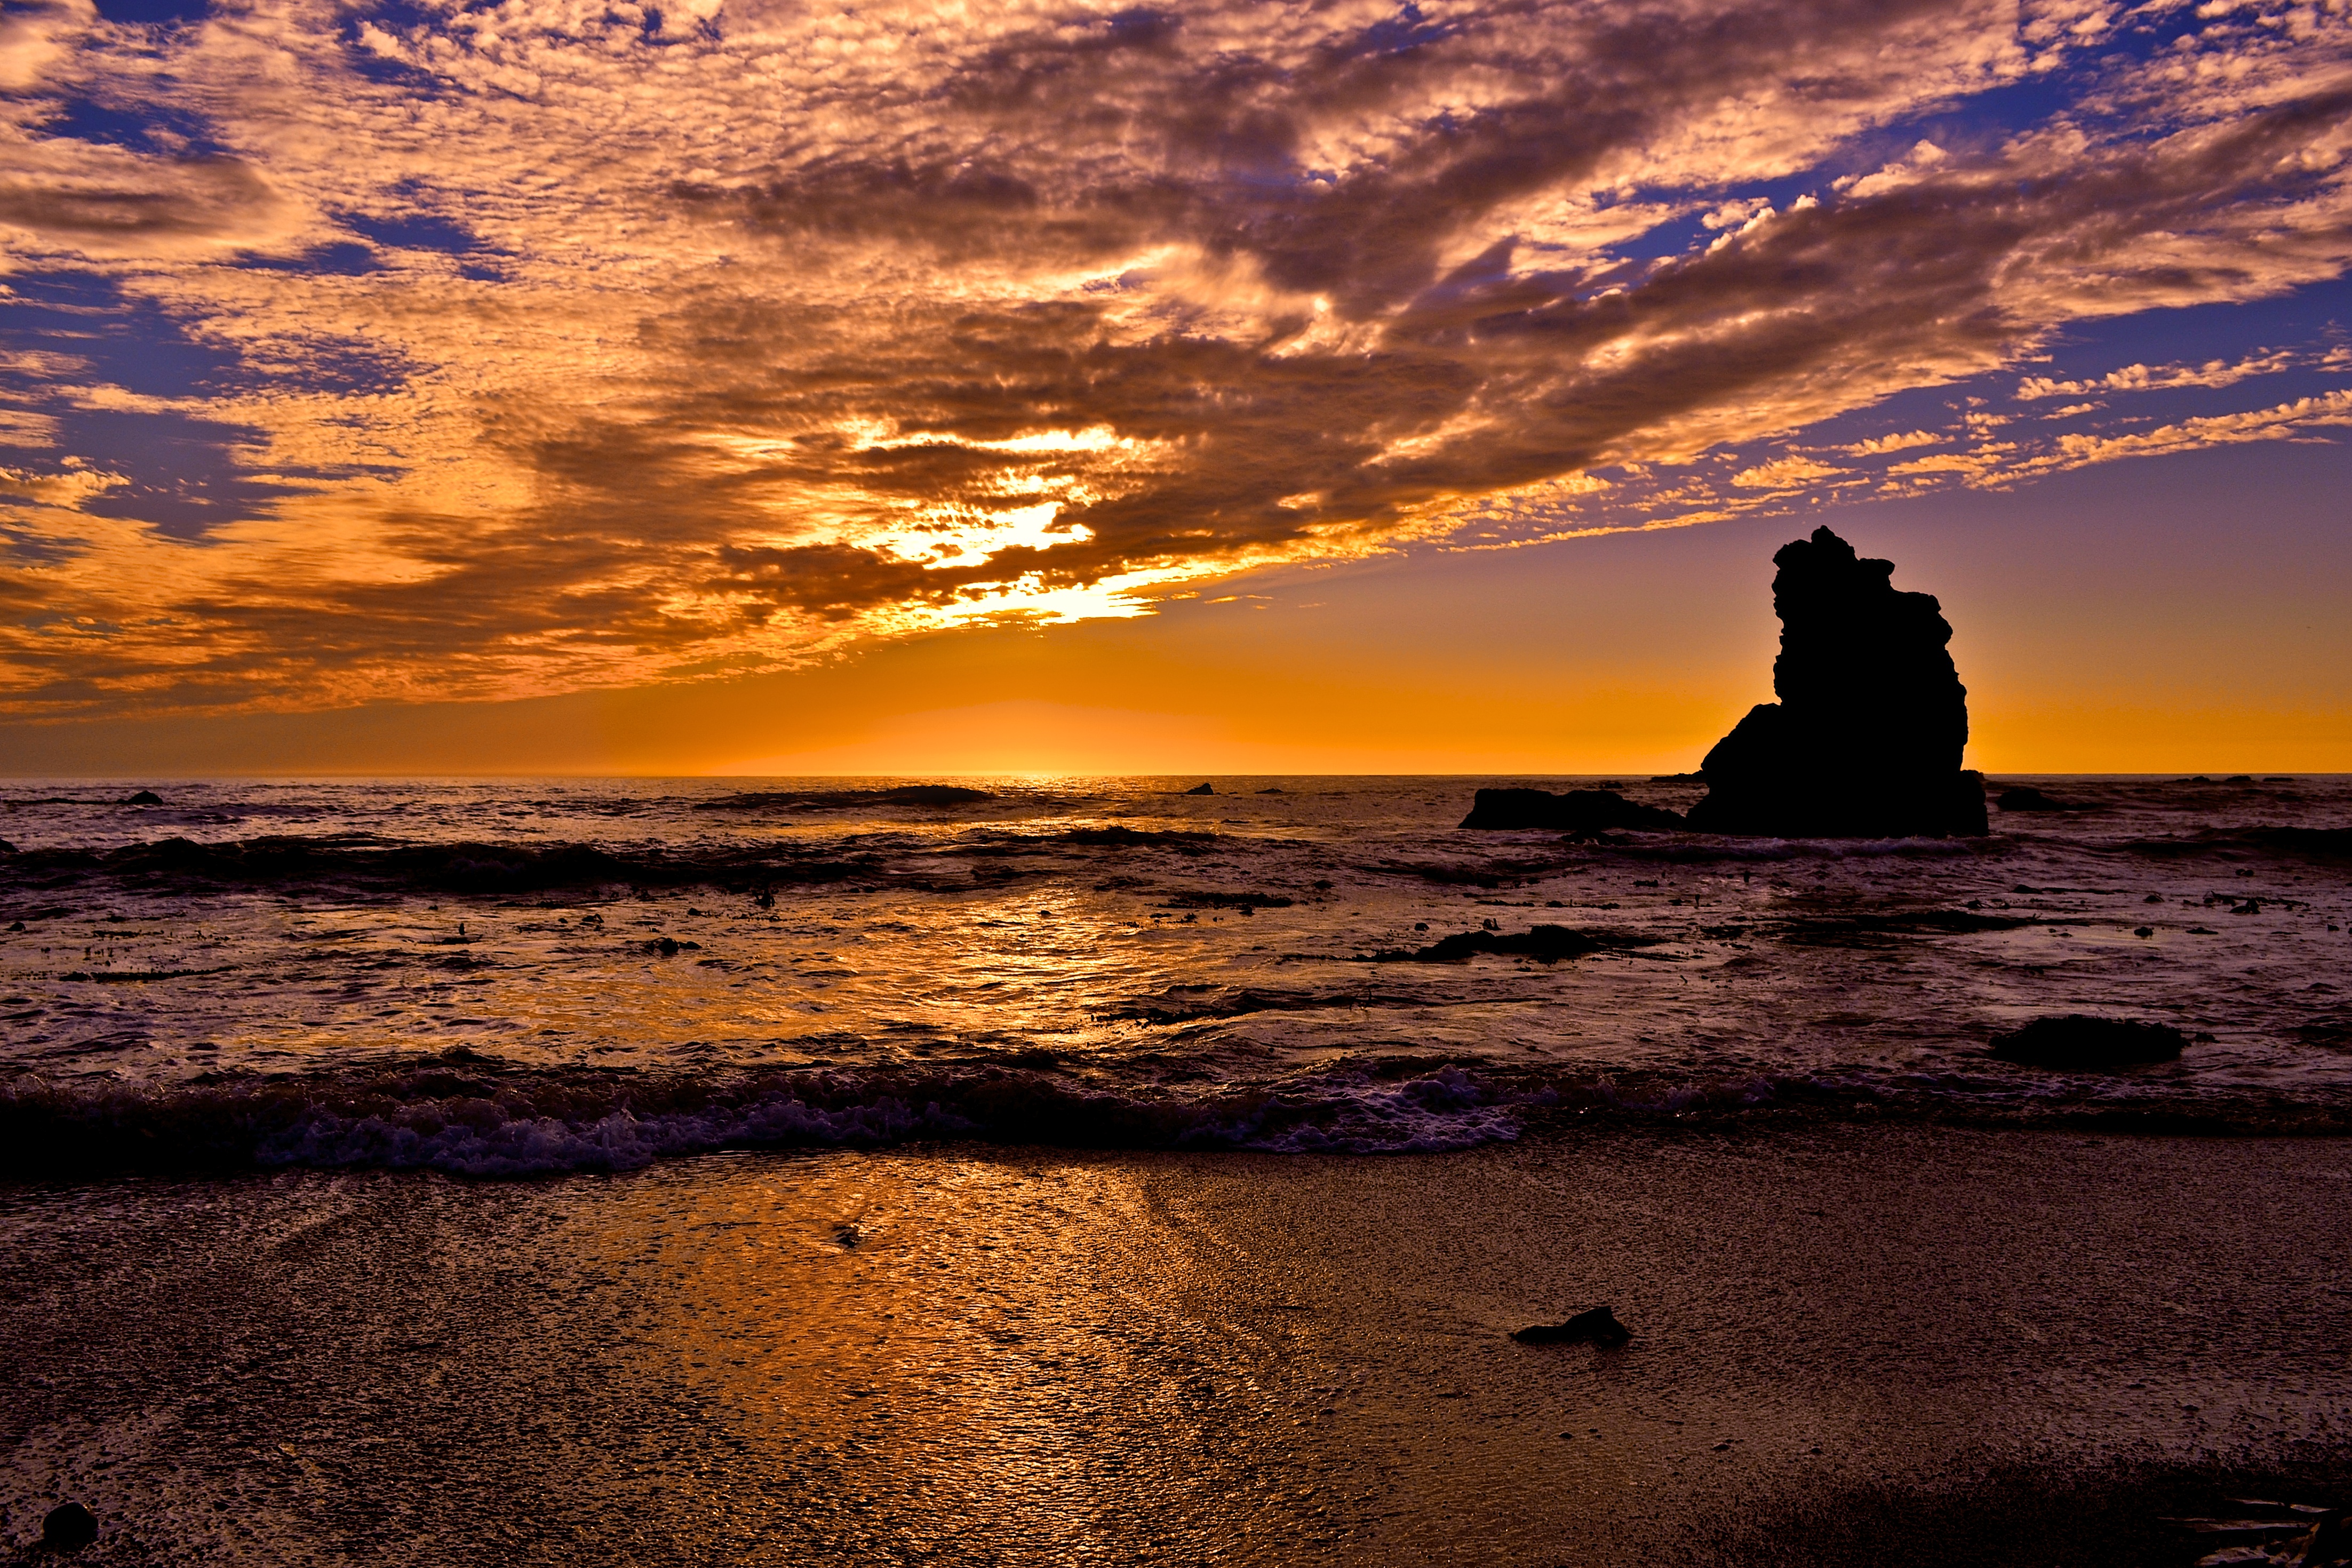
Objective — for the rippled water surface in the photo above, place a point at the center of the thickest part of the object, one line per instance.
(515, 976)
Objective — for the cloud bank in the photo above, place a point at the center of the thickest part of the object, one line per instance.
(450, 350)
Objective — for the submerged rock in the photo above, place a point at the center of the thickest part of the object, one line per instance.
(1600, 1326)
(1547, 943)
(69, 1527)
(1865, 741)
(145, 798)
(1578, 812)
(2077, 1041)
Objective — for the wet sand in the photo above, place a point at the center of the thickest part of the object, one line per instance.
(1018, 1357)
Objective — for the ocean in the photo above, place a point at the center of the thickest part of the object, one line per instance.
(521, 977)
(843, 1172)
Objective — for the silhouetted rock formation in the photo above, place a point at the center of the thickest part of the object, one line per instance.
(1866, 738)
(1578, 812)
(145, 798)
(1201, 790)
(1600, 1326)
(2079, 1041)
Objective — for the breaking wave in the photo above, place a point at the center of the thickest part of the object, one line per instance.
(466, 1115)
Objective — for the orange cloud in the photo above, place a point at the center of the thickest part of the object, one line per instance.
(568, 348)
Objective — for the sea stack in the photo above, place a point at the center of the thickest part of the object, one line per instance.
(1866, 738)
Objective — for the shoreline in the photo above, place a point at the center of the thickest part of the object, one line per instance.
(985, 1353)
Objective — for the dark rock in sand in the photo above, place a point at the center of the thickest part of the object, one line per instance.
(1200, 790)
(1600, 1326)
(1578, 812)
(2077, 1041)
(145, 798)
(2026, 798)
(1865, 741)
(1272, 791)
(69, 1527)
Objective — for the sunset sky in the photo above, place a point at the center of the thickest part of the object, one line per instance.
(749, 386)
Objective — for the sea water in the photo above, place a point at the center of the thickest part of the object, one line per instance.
(511, 977)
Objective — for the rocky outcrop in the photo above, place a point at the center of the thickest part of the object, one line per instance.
(1866, 738)
(1577, 811)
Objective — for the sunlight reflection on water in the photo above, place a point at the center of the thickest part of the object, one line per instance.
(1133, 942)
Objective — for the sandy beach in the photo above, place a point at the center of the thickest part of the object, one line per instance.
(963, 1354)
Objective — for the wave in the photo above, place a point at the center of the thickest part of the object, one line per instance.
(2297, 843)
(466, 1115)
(460, 867)
(929, 795)
(477, 867)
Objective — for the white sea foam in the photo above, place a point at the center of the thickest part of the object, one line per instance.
(539, 1146)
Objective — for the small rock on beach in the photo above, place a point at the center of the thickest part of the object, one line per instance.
(1599, 1326)
(69, 1527)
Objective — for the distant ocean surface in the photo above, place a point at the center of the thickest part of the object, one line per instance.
(519, 977)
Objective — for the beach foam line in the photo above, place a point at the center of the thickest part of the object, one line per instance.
(466, 1115)
(470, 1117)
